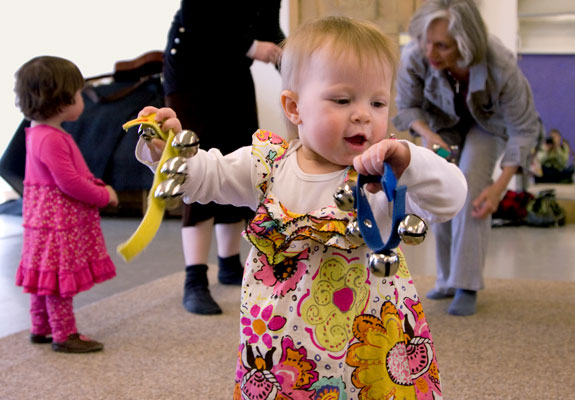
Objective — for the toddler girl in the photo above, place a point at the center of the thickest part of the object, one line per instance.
(63, 249)
(314, 322)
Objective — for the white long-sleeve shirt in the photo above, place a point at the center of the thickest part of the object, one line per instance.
(436, 189)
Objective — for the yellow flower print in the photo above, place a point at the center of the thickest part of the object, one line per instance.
(402, 272)
(339, 293)
(380, 357)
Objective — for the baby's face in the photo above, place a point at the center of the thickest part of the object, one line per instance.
(343, 108)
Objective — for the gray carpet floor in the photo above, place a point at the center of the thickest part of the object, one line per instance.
(520, 345)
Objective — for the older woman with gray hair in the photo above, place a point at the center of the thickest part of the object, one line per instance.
(461, 90)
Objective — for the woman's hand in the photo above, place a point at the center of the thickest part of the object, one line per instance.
(267, 52)
(432, 139)
(429, 137)
(370, 162)
(487, 202)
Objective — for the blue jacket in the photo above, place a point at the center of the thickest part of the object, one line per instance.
(499, 99)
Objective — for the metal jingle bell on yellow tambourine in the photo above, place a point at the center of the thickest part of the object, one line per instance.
(167, 190)
(407, 228)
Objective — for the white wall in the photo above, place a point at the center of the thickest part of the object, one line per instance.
(95, 35)
(501, 20)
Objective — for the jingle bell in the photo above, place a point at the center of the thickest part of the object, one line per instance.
(147, 133)
(173, 203)
(454, 153)
(353, 233)
(187, 143)
(412, 229)
(168, 189)
(384, 264)
(175, 168)
(343, 198)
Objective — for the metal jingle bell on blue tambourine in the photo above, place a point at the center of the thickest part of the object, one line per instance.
(410, 228)
(343, 197)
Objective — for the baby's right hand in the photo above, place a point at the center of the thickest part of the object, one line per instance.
(167, 119)
(113, 201)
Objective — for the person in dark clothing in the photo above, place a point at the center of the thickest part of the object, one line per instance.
(208, 55)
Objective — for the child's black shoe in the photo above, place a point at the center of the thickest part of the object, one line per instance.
(231, 270)
(40, 339)
(198, 300)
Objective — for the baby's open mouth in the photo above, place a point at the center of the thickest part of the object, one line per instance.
(356, 140)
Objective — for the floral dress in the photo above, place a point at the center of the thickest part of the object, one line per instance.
(314, 323)
(63, 250)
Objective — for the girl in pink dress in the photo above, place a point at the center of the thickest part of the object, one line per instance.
(63, 250)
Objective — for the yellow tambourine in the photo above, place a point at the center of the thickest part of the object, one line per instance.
(166, 188)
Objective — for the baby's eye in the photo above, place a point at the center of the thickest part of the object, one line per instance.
(378, 104)
(341, 101)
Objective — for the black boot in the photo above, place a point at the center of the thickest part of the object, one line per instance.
(197, 298)
(231, 270)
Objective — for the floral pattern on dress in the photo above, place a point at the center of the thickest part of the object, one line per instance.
(390, 362)
(266, 155)
(63, 248)
(259, 322)
(338, 294)
(329, 389)
(291, 378)
(284, 276)
(345, 334)
(276, 232)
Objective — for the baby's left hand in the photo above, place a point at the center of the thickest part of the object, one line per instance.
(370, 162)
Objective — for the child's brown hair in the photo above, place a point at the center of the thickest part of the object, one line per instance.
(45, 84)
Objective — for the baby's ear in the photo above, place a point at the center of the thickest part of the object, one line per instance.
(289, 105)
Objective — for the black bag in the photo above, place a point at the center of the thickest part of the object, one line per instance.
(544, 211)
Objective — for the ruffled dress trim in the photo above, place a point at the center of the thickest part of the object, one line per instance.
(63, 251)
(279, 233)
(65, 283)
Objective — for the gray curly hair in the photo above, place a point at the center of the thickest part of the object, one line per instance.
(465, 25)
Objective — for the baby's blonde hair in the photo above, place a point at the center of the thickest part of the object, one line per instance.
(343, 36)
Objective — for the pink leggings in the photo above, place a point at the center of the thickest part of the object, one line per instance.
(52, 314)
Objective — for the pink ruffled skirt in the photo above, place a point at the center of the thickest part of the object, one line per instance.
(63, 249)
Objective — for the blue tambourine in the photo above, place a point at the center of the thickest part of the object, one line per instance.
(406, 228)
